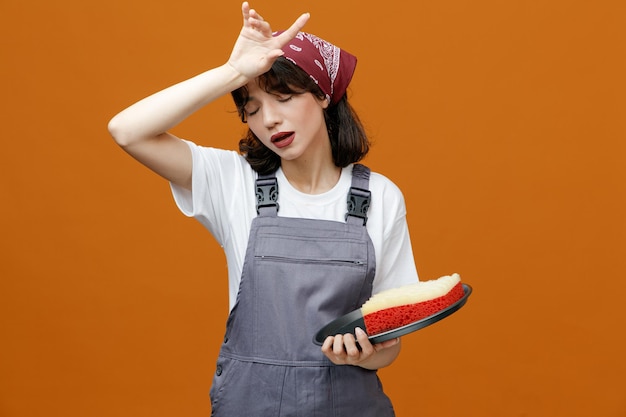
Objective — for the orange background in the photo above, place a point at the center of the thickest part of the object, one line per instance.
(502, 121)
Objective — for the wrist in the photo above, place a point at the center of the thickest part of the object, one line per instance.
(386, 353)
(232, 77)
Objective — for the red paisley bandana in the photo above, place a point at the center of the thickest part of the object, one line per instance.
(330, 67)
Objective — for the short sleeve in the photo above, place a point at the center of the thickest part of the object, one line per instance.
(221, 180)
(395, 262)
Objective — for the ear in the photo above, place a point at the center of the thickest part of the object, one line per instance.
(325, 103)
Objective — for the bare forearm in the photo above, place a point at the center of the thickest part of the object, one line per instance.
(143, 128)
(160, 112)
(253, 54)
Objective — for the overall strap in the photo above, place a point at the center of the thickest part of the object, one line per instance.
(358, 200)
(359, 196)
(267, 195)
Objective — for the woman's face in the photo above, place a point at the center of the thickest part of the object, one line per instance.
(291, 125)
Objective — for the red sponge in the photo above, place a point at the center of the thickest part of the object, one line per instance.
(431, 297)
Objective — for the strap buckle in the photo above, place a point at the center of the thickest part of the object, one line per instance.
(358, 203)
(266, 193)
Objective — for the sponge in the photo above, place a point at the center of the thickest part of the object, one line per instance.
(404, 305)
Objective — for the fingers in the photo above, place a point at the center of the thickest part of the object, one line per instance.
(293, 30)
(328, 342)
(252, 19)
(334, 346)
(348, 344)
(245, 12)
(297, 25)
(346, 349)
(364, 342)
(257, 22)
(256, 15)
(341, 349)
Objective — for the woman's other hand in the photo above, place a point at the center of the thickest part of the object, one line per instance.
(344, 350)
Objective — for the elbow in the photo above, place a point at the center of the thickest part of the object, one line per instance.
(120, 131)
(116, 130)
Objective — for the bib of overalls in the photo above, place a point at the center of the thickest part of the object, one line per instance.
(298, 275)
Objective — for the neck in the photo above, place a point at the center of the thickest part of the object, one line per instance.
(311, 178)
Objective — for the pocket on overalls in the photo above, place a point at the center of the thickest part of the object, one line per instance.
(301, 295)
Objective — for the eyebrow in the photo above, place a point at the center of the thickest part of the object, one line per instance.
(248, 99)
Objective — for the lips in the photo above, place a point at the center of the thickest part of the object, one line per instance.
(282, 139)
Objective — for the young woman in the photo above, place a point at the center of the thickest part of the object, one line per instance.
(309, 234)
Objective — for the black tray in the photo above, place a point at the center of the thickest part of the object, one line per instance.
(347, 323)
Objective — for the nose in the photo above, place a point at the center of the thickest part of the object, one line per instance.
(271, 115)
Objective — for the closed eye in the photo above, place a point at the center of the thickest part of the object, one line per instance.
(250, 108)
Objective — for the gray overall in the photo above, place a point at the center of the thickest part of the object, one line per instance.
(298, 275)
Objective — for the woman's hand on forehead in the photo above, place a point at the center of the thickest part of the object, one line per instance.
(256, 49)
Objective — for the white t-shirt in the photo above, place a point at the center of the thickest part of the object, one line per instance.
(224, 201)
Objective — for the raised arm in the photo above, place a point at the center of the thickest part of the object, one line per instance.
(142, 129)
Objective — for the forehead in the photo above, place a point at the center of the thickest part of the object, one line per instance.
(254, 91)
(253, 88)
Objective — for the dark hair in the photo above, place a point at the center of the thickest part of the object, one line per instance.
(348, 140)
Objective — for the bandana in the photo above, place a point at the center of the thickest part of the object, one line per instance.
(330, 67)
